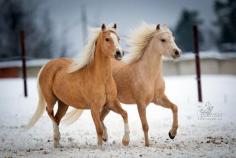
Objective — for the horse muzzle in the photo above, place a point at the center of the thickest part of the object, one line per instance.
(119, 55)
(177, 54)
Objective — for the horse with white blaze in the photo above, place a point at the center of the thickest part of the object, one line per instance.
(139, 76)
(85, 83)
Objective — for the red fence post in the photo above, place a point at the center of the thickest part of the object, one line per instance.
(23, 58)
(197, 61)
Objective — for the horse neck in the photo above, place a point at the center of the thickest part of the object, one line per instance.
(101, 64)
(151, 62)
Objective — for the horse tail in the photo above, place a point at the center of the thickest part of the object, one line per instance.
(72, 116)
(41, 105)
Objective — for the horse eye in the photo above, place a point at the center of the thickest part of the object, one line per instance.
(163, 40)
(107, 39)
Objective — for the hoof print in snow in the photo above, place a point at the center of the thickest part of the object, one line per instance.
(70, 139)
(216, 140)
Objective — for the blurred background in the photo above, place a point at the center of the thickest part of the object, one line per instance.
(59, 28)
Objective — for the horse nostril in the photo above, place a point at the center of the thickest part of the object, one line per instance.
(118, 53)
(177, 53)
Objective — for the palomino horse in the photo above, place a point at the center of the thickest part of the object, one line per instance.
(140, 80)
(83, 84)
(139, 77)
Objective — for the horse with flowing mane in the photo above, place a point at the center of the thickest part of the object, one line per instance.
(86, 83)
(139, 76)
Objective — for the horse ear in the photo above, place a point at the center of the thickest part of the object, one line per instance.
(114, 26)
(158, 27)
(103, 27)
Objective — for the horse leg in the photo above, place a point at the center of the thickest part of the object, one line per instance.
(143, 118)
(62, 108)
(116, 107)
(50, 105)
(96, 119)
(165, 102)
(104, 113)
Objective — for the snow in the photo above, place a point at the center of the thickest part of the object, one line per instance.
(213, 135)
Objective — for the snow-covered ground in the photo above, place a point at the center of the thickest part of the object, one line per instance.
(212, 134)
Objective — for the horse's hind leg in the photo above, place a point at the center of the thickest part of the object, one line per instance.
(116, 107)
(51, 100)
(62, 108)
(165, 102)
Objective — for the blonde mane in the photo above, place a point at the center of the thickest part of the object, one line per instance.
(138, 41)
(87, 56)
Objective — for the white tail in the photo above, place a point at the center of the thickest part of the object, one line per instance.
(72, 116)
(40, 108)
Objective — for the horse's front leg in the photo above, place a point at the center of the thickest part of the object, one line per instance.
(116, 107)
(104, 113)
(165, 102)
(143, 118)
(95, 111)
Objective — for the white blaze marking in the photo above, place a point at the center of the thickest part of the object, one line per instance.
(115, 40)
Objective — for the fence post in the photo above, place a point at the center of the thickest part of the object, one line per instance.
(197, 61)
(23, 59)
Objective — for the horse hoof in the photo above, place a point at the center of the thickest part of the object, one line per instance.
(171, 137)
(146, 144)
(100, 147)
(125, 142)
(105, 136)
(57, 145)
